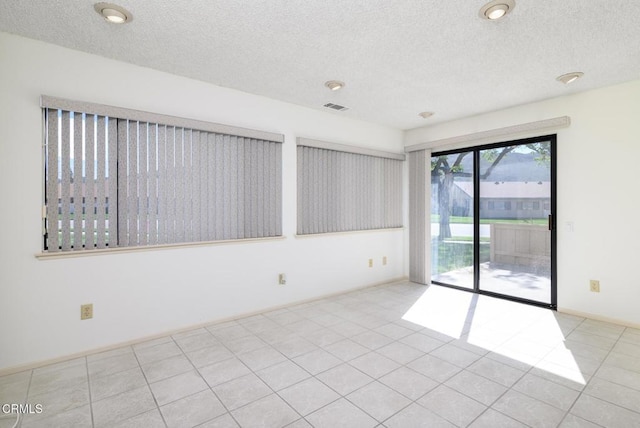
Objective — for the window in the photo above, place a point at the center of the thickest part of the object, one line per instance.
(500, 205)
(123, 178)
(529, 205)
(343, 188)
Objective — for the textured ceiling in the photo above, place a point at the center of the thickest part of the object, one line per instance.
(397, 57)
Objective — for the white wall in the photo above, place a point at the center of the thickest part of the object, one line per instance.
(598, 164)
(146, 293)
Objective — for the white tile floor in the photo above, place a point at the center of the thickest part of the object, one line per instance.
(399, 355)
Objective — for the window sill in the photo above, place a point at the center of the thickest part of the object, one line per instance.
(121, 250)
(349, 232)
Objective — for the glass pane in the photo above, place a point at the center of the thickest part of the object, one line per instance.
(452, 219)
(515, 202)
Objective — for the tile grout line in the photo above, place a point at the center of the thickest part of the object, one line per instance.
(252, 372)
(594, 375)
(148, 387)
(224, 406)
(86, 365)
(529, 371)
(26, 398)
(580, 393)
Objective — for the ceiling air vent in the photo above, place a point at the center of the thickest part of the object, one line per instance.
(336, 107)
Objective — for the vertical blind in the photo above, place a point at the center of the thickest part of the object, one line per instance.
(117, 180)
(78, 208)
(340, 190)
(419, 216)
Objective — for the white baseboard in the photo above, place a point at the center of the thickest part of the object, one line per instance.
(31, 366)
(598, 317)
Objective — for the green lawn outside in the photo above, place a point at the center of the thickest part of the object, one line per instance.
(435, 218)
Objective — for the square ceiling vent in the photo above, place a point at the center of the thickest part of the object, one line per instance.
(336, 107)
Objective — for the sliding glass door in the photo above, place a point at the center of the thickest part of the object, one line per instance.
(515, 205)
(492, 220)
(452, 231)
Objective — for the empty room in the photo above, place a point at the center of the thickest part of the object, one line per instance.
(392, 213)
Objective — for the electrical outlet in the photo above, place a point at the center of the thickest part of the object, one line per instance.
(370, 262)
(594, 285)
(384, 261)
(86, 311)
(282, 279)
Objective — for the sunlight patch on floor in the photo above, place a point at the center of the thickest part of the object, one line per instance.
(441, 309)
(526, 335)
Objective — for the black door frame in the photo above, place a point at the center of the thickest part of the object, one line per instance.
(475, 150)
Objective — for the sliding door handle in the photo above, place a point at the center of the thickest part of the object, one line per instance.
(550, 220)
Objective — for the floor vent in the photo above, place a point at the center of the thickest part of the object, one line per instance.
(336, 107)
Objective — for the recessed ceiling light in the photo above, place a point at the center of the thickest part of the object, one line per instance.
(113, 13)
(425, 114)
(496, 9)
(570, 77)
(334, 85)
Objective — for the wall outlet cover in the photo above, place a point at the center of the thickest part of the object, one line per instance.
(86, 311)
